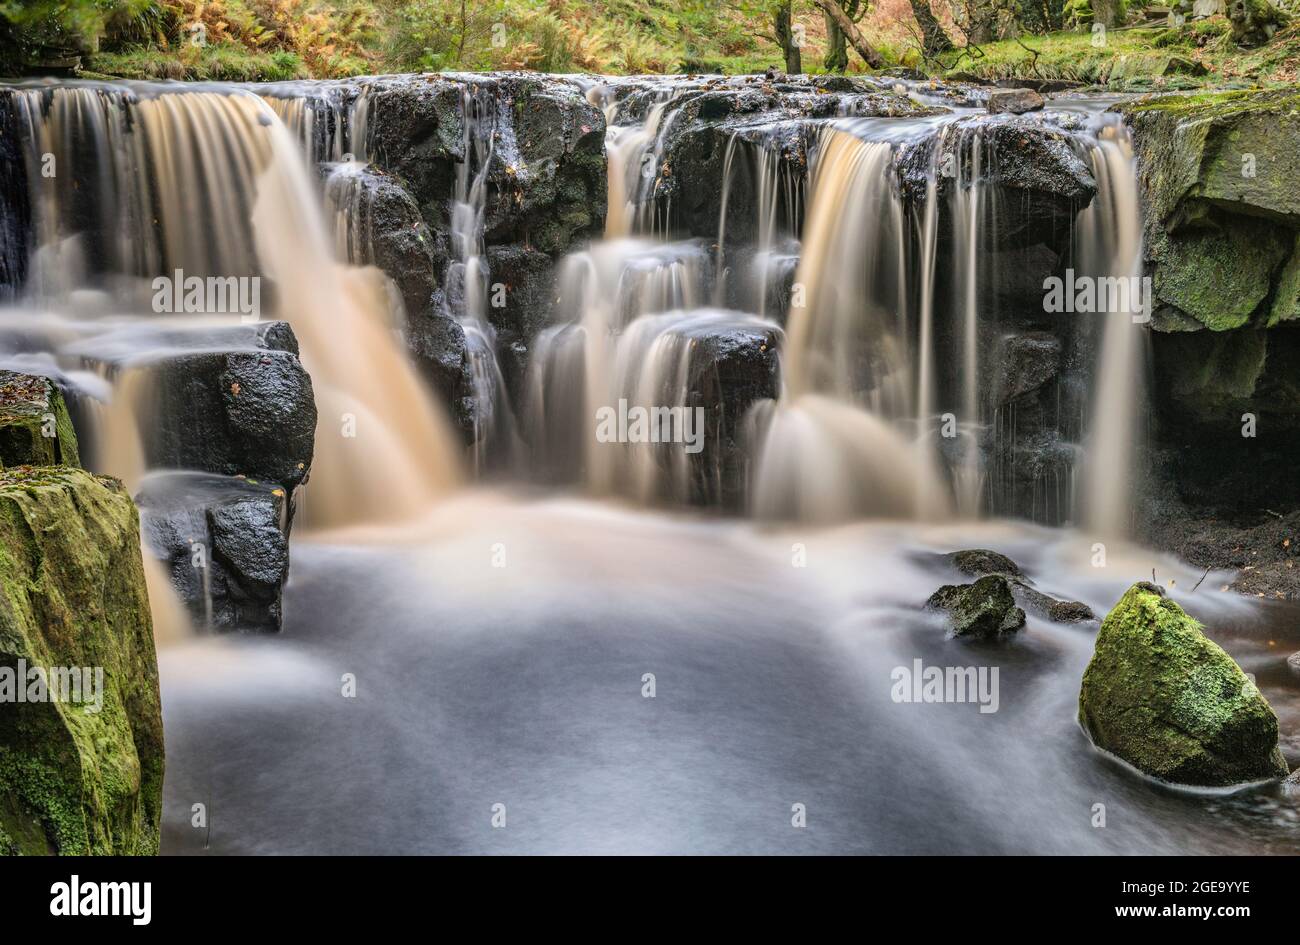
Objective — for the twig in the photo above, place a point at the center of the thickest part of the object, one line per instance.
(1203, 577)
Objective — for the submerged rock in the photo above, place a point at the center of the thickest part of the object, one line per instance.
(224, 543)
(1165, 698)
(76, 777)
(980, 562)
(35, 429)
(985, 610)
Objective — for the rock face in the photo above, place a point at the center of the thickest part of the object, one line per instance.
(1223, 251)
(35, 429)
(224, 543)
(1029, 163)
(985, 610)
(74, 780)
(1166, 699)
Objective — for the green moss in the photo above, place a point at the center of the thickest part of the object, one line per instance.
(1165, 698)
(72, 594)
(35, 428)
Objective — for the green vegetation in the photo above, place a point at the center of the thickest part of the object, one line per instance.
(988, 39)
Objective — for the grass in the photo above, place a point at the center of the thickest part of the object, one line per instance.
(220, 62)
(1135, 59)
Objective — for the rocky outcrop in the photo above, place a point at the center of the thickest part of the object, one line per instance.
(1165, 698)
(224, 543)
(35, 428)
(985, 610)
(81, 775)
(1223, 251)
(710, 116)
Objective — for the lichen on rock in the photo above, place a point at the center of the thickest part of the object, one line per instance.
(72, 594)
(1168, 700)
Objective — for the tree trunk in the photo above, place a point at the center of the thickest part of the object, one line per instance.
(868, 52)
(934, 39)
(785, 36)
(837, 53)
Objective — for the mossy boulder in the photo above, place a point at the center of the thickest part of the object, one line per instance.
(76, 776)
(35, 429)
(984, 610)
(1165, 698)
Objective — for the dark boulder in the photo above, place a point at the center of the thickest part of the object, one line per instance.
(384, 229)
(234, 401)
(978, 562)
(1030, 166)
(224, 543)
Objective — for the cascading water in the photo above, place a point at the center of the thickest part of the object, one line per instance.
(1111, 247)
(885, 339)
(212, 185)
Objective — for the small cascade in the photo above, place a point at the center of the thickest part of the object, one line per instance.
(468, 281)
(762, 282)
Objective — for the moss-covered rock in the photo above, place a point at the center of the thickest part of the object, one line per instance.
(35, 428)
(985, 610)
(76, 777)
(1165, 698)
(1218, 172)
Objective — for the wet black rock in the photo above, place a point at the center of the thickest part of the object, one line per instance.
(234, 401)
(523, 279)
(1027, 362)
(224, 544)
(707, 113)
(985, 610)
(731, 369)
(546, 180)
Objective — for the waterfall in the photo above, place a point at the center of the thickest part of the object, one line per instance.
(213, 183)
(1110, 237)
(829, 446)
